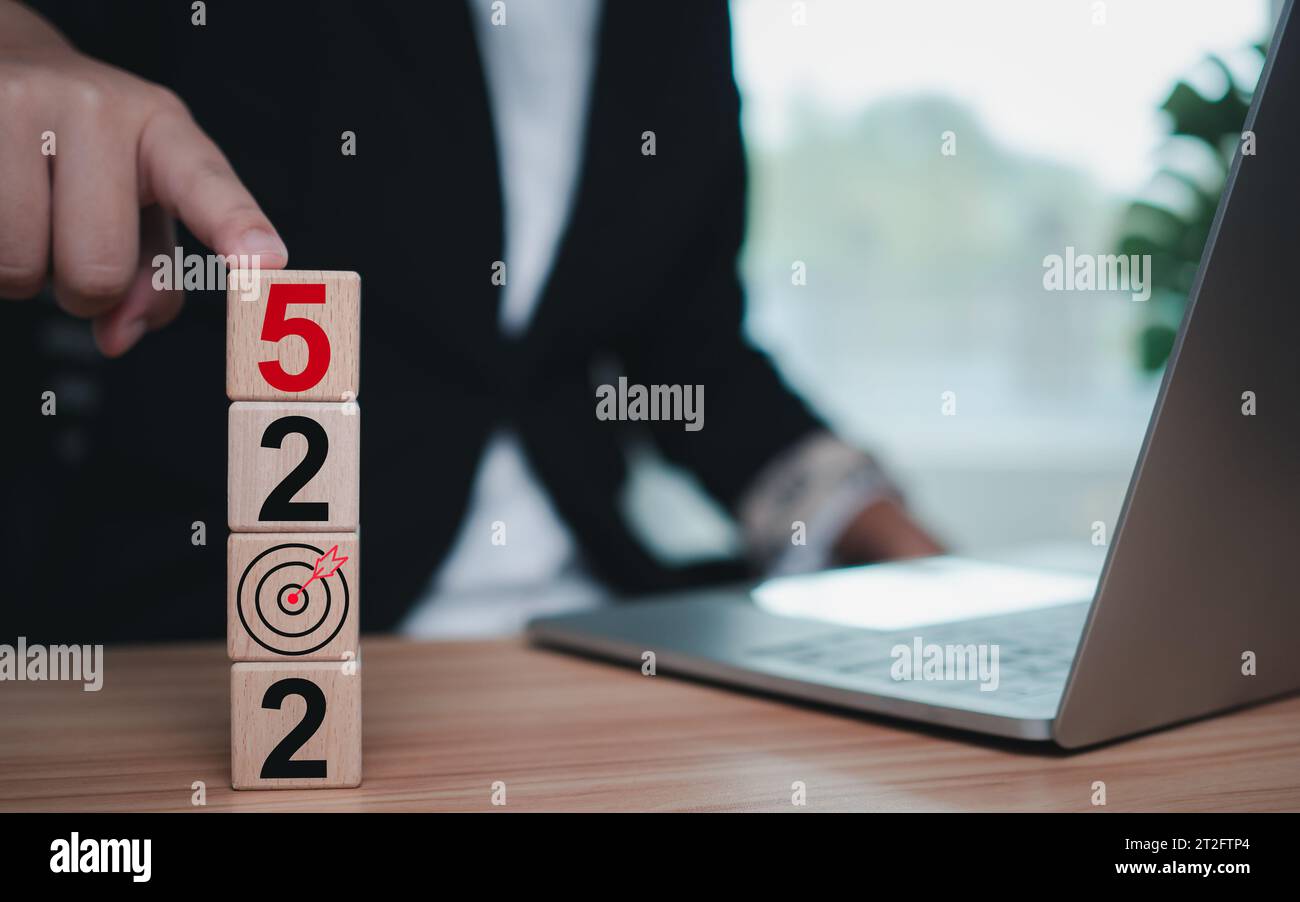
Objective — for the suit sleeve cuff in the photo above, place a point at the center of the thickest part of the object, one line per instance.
(800, 503)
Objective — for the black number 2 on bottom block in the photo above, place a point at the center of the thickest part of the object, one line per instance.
(280, 764)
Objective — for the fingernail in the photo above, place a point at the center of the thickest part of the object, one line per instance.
(131, 332)
(263, 243)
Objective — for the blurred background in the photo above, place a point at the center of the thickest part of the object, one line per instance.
(1106, 126)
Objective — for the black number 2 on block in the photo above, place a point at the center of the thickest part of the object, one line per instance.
(280, 764)
(279, 504)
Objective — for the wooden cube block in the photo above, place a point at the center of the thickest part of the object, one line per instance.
(293, 467)
(292, 596)
(292, 335)
(295, 726)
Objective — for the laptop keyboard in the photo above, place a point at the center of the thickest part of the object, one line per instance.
(1035, 649)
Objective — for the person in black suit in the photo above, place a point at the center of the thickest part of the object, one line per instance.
(162, 121)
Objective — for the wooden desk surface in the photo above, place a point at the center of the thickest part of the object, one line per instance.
(443, 721)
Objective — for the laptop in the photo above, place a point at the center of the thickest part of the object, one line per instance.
(1196, 609)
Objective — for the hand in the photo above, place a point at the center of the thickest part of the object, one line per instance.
(882, 531)
(128, 158)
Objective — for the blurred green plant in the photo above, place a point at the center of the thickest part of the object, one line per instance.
(1174, 234)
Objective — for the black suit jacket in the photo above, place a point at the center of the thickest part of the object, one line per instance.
(100, 498)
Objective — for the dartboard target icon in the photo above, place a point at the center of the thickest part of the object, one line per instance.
(293, 598)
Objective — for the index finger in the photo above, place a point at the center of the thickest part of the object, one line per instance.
(182, 170)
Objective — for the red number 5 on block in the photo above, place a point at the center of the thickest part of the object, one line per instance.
(277, 325)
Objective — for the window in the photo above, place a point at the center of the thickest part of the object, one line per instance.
(924, 271)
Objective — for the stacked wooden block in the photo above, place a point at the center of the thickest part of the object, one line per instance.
(293, 558)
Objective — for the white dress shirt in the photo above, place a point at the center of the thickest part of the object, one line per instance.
(538, 66)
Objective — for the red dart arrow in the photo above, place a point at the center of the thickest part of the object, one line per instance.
(326, 564)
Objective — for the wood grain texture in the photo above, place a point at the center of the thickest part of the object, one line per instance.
(254, 470)
(339, 317)
(271, 617)
(445, 720)
(259, 724)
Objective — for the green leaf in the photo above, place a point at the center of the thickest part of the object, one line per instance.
(1155, 344)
